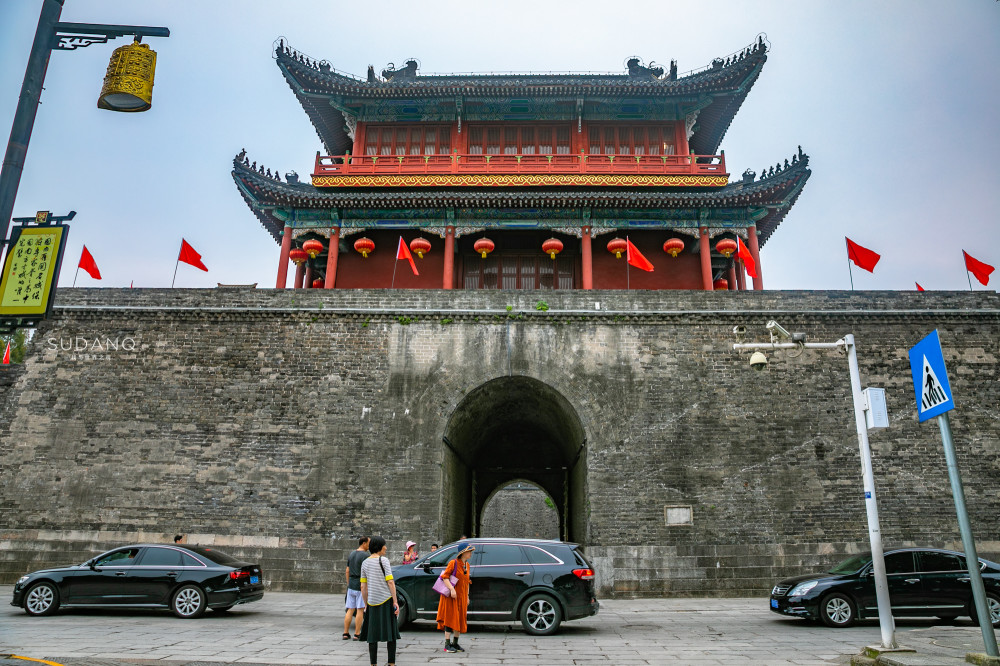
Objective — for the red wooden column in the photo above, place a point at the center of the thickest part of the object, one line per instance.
(331, 258)
(758, 282)
(587, 259)
(741, 276)
(309, 278)
(300, 272)
(706, 260)
(449, 257)
(732, 277)
(286, 247)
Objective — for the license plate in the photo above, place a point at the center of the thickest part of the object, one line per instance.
(256, 579)
(774, 603)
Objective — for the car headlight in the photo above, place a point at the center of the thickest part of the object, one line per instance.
(22, 580)
(802, 588)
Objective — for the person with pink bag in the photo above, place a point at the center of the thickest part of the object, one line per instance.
(453, 606)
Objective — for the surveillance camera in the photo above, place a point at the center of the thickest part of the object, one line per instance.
(739, 331)
(777, 330)
(758, 361)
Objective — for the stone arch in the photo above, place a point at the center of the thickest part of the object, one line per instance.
(512, 428)
(519, 509)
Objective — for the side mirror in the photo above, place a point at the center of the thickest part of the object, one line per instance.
(93, 565)
(426, 566)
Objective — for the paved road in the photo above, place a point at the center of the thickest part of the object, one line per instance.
(287, 628)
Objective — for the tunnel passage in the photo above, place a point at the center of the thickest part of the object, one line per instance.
(513, 428)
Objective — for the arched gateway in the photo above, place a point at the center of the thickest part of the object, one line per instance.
(508, 429)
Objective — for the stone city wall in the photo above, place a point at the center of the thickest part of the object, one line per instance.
(278, 425)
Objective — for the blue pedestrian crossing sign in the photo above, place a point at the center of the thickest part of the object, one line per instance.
(930, 381)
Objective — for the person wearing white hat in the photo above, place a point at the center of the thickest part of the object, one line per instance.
(411, 552)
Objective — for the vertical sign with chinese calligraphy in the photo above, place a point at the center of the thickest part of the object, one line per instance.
(26, 284)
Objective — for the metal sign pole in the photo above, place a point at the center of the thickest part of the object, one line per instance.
(971, 558)
(885, 620)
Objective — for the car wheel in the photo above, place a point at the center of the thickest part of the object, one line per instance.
(540, 615)
(41, 599)
(403, 618)
(188, 602)
(993, 604)
(837, 610)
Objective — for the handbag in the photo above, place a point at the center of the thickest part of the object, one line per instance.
(441, 588)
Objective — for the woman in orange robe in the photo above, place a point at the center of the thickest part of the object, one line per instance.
(452, 609)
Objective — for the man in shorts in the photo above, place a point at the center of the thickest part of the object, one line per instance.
(355, 604)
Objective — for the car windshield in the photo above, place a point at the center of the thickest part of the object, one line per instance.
(852, 564)
(216, 556)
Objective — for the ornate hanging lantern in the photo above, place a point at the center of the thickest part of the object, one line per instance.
(552, 247)
(673, 247)
(298, 255)
(318, 283)
(484, 246)
(128, 85)
(617, 245)
(726, 247)
(421, 246)
(721, 284)
(364, 246)
(313, 248)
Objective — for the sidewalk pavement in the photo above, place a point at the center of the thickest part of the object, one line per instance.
(293, 628)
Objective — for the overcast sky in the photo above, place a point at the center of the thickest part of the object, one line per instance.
(896, 104)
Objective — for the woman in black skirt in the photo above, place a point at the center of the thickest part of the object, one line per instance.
(377, 590)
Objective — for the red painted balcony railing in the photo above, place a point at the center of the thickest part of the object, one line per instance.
(358, 165)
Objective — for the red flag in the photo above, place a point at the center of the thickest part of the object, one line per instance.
(189, 256)
(744, 254)
(635, 257)
(862, 256)
(6, 354)
(919, 288)
(979, 269)
(403, 252)
(88, 264)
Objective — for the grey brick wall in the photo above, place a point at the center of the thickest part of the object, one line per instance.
(280, 424)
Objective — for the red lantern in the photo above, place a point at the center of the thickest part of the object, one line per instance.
(484, 246)
(298, 255)
(721, 284)
(726, 247)
(421, 246)
(617, 245)
(313, 248)
(364, 246)
(552, 247)
(318, 283)
(673, 247)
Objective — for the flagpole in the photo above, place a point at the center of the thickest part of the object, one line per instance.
(176, 264)
(627, 284)
(849, 271)
(76, 274)
(968, 278)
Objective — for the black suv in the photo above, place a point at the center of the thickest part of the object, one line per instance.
(538, 582)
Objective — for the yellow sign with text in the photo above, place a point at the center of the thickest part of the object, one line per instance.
(29, 271)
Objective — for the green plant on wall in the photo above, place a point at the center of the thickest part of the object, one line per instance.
(18, 342)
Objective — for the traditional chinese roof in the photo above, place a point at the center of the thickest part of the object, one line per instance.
(715, 93)
(774, 192)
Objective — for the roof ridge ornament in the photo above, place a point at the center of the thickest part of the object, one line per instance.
(637, 70)
(407, 72)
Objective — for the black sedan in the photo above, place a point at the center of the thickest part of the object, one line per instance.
(185, 579)
(539, 582)
(922, 582)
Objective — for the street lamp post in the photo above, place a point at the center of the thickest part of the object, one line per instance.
(885, 619)
(50, 35)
